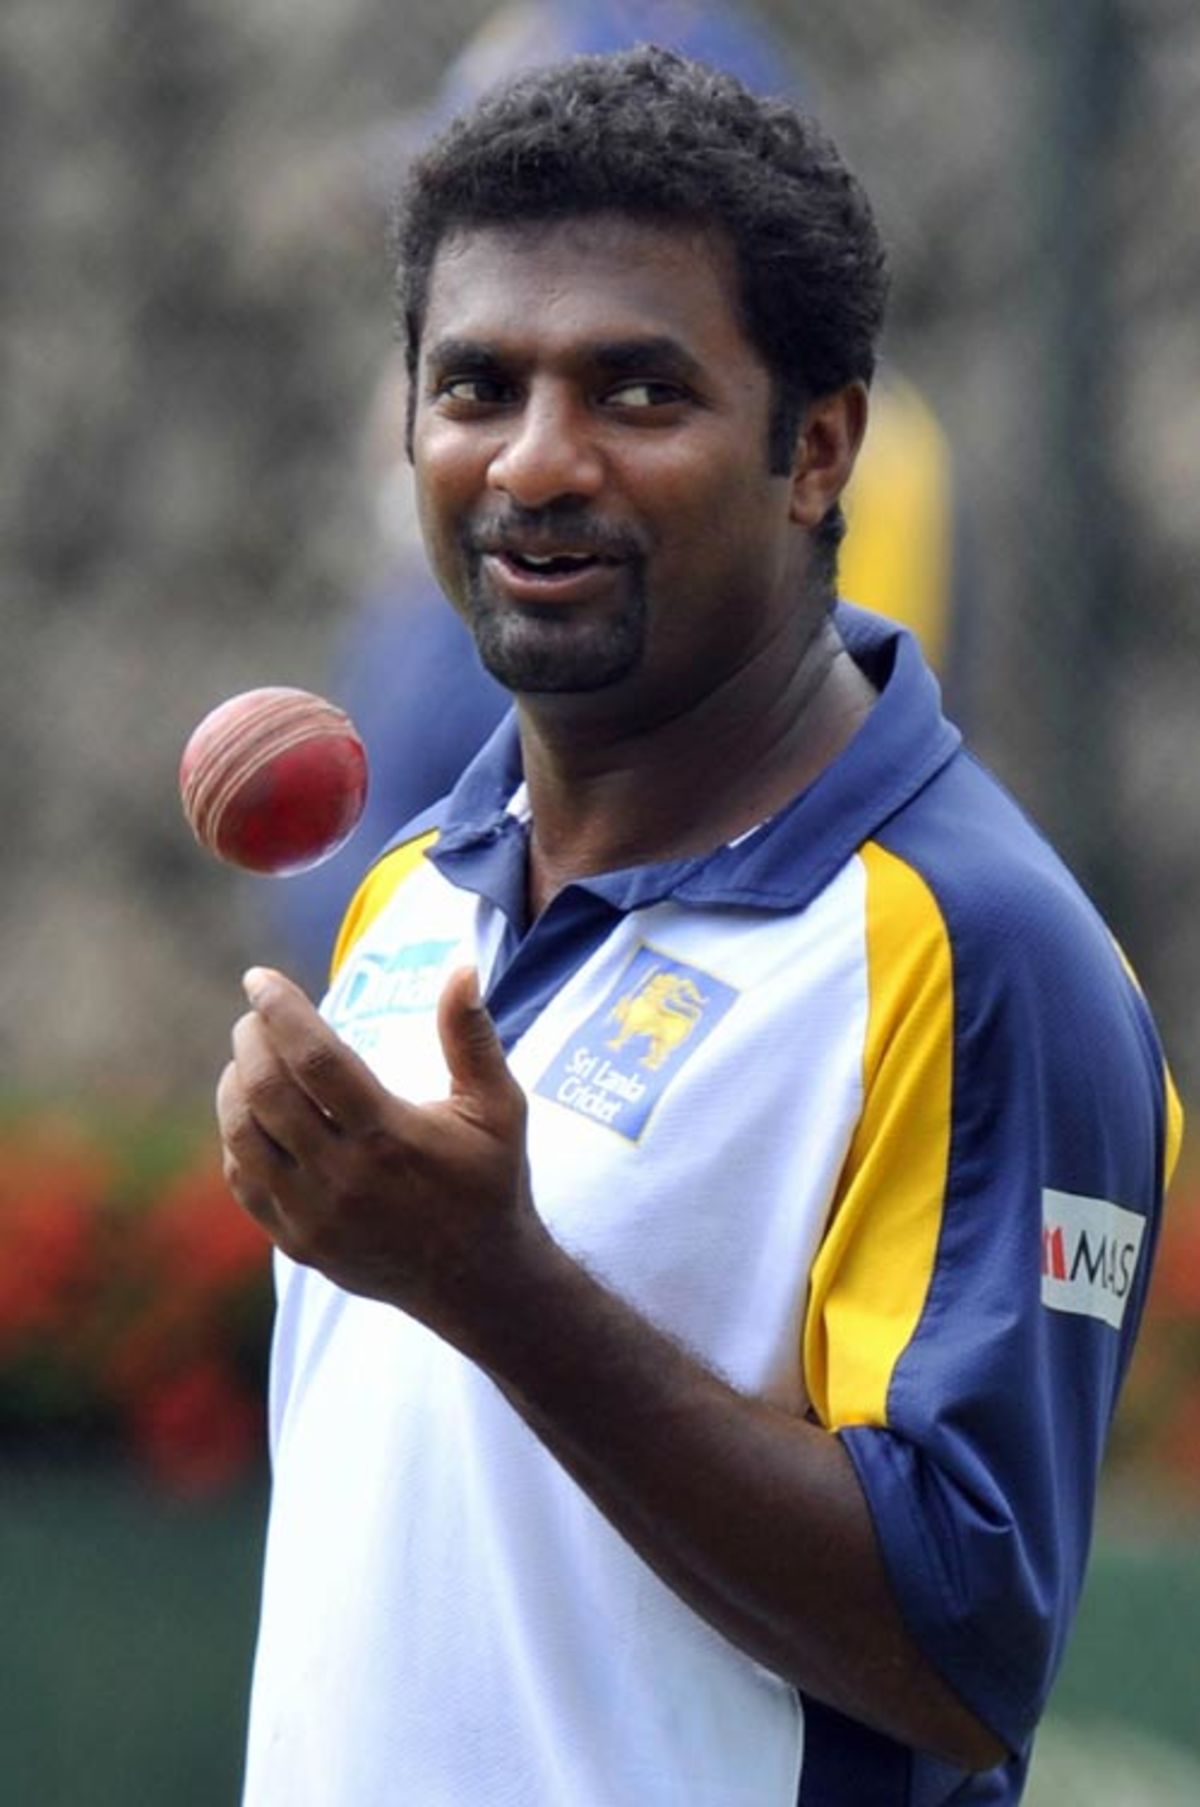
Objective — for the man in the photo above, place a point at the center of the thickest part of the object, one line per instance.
(405, 666)
(692, 1369)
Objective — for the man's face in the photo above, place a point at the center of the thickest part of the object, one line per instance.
(590, 445)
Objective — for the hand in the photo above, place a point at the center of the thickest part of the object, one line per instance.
(404, 1203)
(428, 1208)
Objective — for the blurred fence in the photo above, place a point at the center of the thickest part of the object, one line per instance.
(195, 304)
(130, 1620)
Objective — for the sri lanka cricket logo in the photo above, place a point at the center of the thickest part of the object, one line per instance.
(633, 1044)
(664, 1010)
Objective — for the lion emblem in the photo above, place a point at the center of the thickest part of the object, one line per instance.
(665, 1010)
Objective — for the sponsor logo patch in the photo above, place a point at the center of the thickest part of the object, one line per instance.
(621, 1060)
(1090, 1253)
(405, 981)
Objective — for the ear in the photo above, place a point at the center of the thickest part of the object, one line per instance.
(831, 432)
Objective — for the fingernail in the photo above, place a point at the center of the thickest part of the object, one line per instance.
(474, 998)
(254, 983)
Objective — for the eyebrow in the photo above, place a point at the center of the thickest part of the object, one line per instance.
(467, 355)
(656, 355)
(652, 354)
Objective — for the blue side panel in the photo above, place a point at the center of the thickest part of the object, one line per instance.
(983, 1482)
(849, 1765)
(845, 1762)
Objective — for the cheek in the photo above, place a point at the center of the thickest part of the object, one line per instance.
(708, 524)
(450, 466)
(704, 494)
(446, 489)
(724, 542)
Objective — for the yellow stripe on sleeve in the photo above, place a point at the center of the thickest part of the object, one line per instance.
(872, 1274)
(1174, 1135)
(1173, 1129)
(375, 892)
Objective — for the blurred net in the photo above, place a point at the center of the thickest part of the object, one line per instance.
(196, 306)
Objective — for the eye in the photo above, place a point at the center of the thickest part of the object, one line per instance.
(473, 391)
(645, 392)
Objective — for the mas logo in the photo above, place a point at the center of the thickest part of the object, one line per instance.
(615, 1069)
(1089, 1255)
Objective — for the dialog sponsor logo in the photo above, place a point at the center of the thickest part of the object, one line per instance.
(615, 1069)
(375, 987)
(1090, 1253)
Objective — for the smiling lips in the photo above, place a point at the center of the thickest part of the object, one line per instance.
(552, 564)
(550, 577)
(557, 573)
(553, 559)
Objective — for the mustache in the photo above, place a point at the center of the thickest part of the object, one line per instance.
(539, 531)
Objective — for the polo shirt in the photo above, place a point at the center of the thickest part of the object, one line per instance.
(864, 1108)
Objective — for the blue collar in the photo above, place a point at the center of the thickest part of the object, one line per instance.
(781, 866)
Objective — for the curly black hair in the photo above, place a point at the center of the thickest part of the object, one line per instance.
(657, 137)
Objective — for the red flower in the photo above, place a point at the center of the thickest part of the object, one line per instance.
(1175, 1289)
(185, 1365)
(131, 1300)
(197, 1430)
(52, 1195)
(200, 1239)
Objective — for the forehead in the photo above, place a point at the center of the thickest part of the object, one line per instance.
(550, 286)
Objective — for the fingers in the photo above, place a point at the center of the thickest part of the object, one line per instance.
(302, 1074)
(480, 1080)
(388, 1199)
(467, 1035)
(282, 1099)
(254, 1165)
(281, 1109)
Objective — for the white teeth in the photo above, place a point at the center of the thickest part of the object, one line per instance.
(544, 562)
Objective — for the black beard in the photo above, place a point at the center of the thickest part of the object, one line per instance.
(547, 653)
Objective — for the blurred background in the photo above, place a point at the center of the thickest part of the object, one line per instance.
(199, 493)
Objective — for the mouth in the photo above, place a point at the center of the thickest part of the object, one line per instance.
(549, 564)
(559, 575)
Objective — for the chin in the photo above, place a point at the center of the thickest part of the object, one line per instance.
(537, 657)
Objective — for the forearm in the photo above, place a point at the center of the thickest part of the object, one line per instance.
(753, 1516)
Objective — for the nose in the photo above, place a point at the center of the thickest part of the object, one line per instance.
(549, 451)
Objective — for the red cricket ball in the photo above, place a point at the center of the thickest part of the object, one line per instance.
(274, 780)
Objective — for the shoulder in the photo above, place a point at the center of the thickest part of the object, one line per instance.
(1045, 1017)
(1004, 895)
(963, 889)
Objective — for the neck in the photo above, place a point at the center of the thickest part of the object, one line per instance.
(610, 795)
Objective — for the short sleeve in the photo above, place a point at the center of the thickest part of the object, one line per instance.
(973, 1305)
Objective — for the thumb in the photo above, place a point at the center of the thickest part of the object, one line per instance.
(479, 1075)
